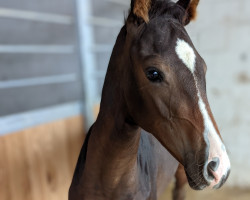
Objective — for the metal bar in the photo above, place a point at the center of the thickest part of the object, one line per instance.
(17, 122)
(101, 21)
(51, 49)
(120, 2)
(91, 98)
(99, 74)
(38, 81)
(101, 48)
(35, 16)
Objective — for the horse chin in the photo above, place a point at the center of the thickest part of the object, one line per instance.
(196, 182)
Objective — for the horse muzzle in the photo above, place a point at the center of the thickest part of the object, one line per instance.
(215, 170)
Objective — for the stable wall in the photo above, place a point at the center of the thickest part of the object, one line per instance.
(38, 163)
(221, 35)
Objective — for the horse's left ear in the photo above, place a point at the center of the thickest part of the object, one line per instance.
(190, 8)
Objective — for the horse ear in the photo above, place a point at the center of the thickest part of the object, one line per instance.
(190, 7)
(140, 9)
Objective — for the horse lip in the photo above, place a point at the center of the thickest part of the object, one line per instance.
(194, 185)
(223, 180)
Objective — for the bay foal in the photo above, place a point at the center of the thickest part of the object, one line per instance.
(155, 81)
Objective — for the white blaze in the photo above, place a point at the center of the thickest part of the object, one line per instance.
(186, 54)
(216, 148)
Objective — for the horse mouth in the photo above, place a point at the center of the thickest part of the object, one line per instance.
(222, 181)
(196, 181)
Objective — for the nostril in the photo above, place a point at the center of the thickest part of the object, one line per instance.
(214, 164)
(212, 167)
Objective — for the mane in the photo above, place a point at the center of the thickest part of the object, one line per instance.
(149, 9)
(165, 8)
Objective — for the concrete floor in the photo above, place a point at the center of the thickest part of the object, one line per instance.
(224, 193)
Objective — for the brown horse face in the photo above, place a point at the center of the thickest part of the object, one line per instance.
(167, 97)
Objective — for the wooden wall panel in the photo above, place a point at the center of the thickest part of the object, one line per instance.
(38, 163)
(4, 180)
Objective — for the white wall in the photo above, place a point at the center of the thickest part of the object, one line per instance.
(221, 35)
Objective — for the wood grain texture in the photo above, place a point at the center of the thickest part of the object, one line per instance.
(38, 163)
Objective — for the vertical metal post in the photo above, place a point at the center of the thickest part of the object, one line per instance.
(84, 11)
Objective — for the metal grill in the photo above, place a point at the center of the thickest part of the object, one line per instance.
(99, 22)
(40, 46)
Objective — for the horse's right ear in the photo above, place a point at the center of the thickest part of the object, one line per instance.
(190, 7)
(140, 9)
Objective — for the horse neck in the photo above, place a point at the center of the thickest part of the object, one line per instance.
(114, 141)
(111, 161)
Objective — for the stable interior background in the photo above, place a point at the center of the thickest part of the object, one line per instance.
(53, 57)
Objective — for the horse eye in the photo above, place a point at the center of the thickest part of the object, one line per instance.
(154, 75)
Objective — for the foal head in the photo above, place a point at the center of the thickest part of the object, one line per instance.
(165, 90)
